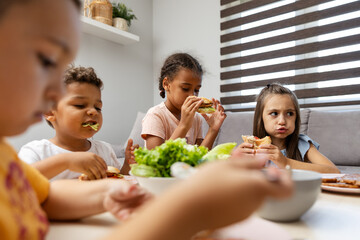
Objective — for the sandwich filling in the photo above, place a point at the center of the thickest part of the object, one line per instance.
(94, 126)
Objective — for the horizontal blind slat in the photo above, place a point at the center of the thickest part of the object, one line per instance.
(270, 13)
(298, 35)
(300, 64)
(299, 49)
(298, 79)
(303, 93)
(301, 19)
(307, 105)
(244, 7)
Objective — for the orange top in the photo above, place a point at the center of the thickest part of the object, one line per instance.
(22, 190)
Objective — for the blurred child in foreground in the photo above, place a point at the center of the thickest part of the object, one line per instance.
(39, 39)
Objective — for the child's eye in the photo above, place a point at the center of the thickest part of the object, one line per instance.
(98, 109)
(45, 61)
(79, 106)
(196, 90)
(273, 114)
(290, 114)
(185, 89)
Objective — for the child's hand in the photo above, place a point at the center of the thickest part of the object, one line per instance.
(123, 198)
(88, 163)
(216, 119)
(188, 110)
(233, 189)
(244, 148)
(274, 154)
(129, 152)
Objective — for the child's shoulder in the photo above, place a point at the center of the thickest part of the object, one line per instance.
(38, 143)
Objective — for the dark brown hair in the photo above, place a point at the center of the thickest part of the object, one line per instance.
(6, 4)
(82, 75)
(173, 64)
(292, 140)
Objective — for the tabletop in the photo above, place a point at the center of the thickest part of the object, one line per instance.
(333, 216)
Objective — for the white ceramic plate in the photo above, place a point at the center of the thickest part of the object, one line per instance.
(338, 189)
(249, 230)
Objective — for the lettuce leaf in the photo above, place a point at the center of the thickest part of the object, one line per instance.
(162, 157)
(220, 152)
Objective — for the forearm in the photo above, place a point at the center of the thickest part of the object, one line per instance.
(321, 168)
(52, 166)
(171, 220)
(125, 168)
(209, 139)
(74, 199)
(180, 132)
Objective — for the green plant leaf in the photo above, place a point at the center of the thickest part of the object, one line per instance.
(121, 11)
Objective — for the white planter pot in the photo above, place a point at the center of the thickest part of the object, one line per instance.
(120, 23)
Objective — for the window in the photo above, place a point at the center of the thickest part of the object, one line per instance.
(312, 47)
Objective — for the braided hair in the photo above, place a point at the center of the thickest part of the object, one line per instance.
(173, 64)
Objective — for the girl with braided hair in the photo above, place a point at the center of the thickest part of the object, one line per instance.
(180, 81)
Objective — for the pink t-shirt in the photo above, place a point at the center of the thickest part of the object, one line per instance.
(160, 122)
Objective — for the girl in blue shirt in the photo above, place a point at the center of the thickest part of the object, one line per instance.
(277, 114)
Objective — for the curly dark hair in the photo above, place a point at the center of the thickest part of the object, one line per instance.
(6, 4)
(82, 75)
(173, 64)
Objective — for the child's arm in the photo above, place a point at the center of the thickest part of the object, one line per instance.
(129, 156)
(318, 162)
(215, 122)
(73, 199)
(83, 162)
(238, 189)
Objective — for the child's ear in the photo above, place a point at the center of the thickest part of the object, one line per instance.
(166, 84)
(49, 116)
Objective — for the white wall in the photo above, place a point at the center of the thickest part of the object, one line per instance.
(130, 73)
(127, 74)
(191, 26)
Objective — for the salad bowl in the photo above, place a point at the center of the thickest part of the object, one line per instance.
(156, 185)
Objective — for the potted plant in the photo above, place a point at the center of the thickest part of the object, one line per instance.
(122, 16)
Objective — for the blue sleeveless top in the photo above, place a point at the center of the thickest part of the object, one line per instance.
(303, 146)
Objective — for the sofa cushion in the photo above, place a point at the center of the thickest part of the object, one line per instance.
(135, 133)
(304, 115)
(338, 135)
(235, 125)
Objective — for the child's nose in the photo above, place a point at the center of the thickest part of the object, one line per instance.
(92, 112)
(282, 119)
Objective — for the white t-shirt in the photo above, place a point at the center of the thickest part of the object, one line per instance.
(41, 149)
(160, 122)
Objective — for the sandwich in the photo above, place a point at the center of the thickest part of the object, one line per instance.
(94, 126)
(256, 141)
(111, 172)
(206, 106)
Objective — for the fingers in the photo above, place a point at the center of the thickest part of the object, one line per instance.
(244, 148)
(129, 144)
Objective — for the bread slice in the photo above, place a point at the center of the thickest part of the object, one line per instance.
(256, 141)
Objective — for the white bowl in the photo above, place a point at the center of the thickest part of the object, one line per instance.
(307, 186)
(156, 185)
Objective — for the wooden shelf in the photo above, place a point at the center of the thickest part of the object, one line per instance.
(107, 32)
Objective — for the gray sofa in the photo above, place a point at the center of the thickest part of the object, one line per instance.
(337, 132)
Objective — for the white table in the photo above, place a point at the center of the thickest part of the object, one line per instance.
(333, 217)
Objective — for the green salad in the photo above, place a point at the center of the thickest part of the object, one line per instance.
(157, 162)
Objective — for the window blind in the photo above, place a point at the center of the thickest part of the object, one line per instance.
(312, 47)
